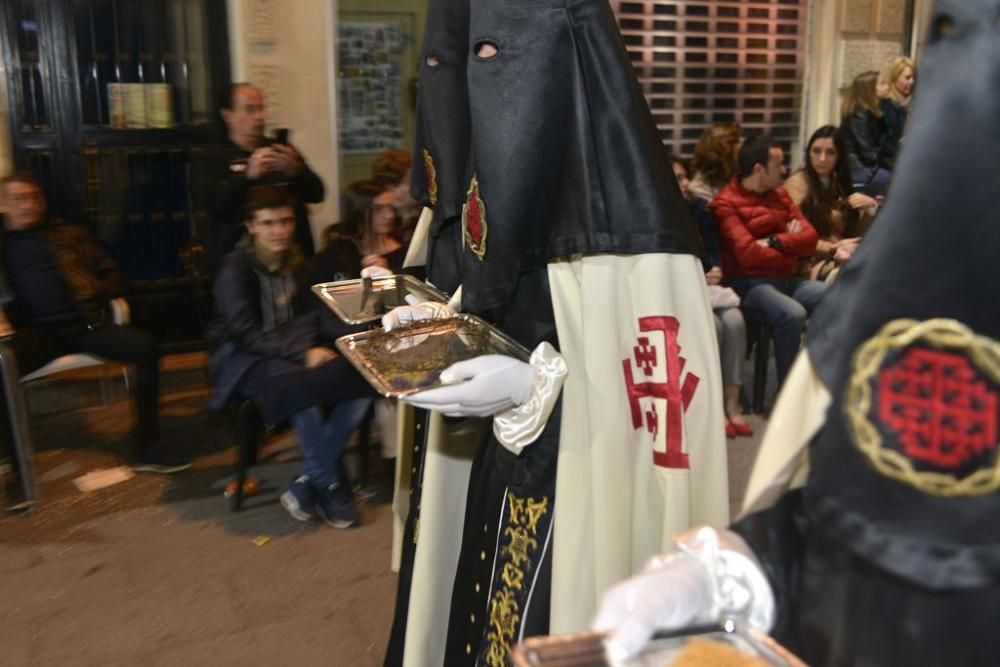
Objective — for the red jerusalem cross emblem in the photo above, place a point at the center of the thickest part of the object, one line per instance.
(921, 406)
(677, 390)
(941, 413)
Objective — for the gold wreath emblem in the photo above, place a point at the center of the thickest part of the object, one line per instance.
(983, 354)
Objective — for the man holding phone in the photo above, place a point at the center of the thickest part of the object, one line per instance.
(222, 176)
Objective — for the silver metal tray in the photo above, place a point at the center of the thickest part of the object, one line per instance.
(410, 359)
(368, 299)
(665, 649)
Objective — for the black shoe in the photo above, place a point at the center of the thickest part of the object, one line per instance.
(159, 461)
(335, 505)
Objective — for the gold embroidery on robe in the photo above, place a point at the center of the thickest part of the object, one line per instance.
(516, 554)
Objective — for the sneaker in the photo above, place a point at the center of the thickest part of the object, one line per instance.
(159, 461)
(300, 499)
(335, 505)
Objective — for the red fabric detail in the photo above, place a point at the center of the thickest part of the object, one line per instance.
(474, 217)
(645, 355)
(676, 393)
(742, 217)
(741, 428)
(940, 412)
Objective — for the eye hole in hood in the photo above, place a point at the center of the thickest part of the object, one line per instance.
(486, 49)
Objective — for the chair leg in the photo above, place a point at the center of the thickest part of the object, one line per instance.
(762, 354)
(20, 425)
(249, 429)
(364, 437)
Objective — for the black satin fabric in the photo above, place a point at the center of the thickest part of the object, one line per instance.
(564, 148)
(443, 110)
(444, 253)
(931, 253)
(836, 608)
(478, 577)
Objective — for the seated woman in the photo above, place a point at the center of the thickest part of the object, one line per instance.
(365, 238)
(729, 326)
(392, 170)
(822, 189)
(372, 222)
(714, 159)
(899, 76)
(271, 340)
(864, 128)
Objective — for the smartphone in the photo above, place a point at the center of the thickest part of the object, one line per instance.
(281, 135)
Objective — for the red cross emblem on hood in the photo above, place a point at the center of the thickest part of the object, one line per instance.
(474, 226)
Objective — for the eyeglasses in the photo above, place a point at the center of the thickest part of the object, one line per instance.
(27, 197)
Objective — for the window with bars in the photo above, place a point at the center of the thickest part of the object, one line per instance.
(127, 178)
(157, 48)
(709, 61)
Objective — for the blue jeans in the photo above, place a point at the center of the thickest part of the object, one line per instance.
(323, 441)
(783, 304)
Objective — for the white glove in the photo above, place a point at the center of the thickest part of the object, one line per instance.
(672, 592)
(403, 315)
(478, 387)
(375, 271)
(713, 576)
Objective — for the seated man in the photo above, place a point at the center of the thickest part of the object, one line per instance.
(61, 282)
(267, 342)
(763, 236)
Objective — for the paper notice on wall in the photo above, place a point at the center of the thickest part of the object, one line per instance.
(370, 85)
(260, 21)
(268, 79)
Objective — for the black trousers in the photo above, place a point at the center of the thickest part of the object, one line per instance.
(36, 345)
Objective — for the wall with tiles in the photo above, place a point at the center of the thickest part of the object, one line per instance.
(848, 37)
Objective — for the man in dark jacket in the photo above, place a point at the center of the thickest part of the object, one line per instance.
(220, 178)
(60, 283)
(763, 235)
(269, 341)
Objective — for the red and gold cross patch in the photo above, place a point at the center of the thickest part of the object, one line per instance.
(922, 406)
(474, 227)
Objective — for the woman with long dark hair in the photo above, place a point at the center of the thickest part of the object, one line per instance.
(823, 189)
(371, 220)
